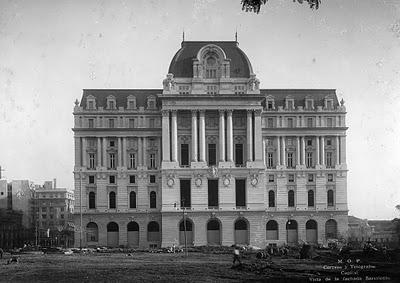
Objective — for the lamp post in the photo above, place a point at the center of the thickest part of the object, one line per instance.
(184, 223)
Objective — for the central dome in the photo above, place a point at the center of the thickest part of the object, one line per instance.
(182, 64)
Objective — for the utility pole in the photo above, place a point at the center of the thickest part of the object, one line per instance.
(1, 170)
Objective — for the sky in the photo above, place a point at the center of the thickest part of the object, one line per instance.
(51, 50)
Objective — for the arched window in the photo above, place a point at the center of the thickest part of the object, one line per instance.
(189, 226)
(311, 225)
(331, 229)
(112, 200)
(211, 66)
(92, 232)
(310, 198)
(291, 198)
(132, 200)
(133, 226)
(153, 231)
(272, 230)
(240, 225)
(213, 225)
(112, 227)
(271, 198)
(153, 200)
(92, 200)
(330, 198)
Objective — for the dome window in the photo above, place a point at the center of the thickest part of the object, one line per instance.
(111, 103)
(90, 102)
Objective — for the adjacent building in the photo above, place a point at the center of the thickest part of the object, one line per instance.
(54, 208)
(240, 164)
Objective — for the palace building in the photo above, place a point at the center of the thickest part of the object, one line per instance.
(240, 164)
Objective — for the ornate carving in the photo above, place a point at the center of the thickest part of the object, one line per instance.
(213, 171)
(170, 182)
(253, 83)
(254, 179)
(198, 182)
(169, 82)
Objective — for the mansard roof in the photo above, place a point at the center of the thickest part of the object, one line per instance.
(121, 96)
(300, 95)
(279, 96)
(182, 63)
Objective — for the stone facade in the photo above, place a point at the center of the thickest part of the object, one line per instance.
(241, 164)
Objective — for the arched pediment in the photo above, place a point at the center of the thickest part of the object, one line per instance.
(211, 50)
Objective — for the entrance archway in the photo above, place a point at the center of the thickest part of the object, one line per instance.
(112, 234)
(241, 232)
(213, 232)
(133, 234)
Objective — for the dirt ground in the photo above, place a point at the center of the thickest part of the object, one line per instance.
(149, 267)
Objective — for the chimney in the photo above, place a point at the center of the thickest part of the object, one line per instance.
(54, 183)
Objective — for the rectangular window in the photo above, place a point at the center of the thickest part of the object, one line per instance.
(111, 104)
(112, 160)
(152, 161)
(213, 193)
(309, 104)
(91, 123)
(239, 154)
(184, 154)
(329, 163)
(131, 104)
(152, 179)
(270, 159)
(240, 192)
(330, 177)
(185, 193)
(291, 178)
(309, 142)
(270, 105)
(111, 179)
(310, 122)
(111, 123)
(132, 161)
(290, 122)
(131, 123)
(290, 160)
(329, 122)
(132, 179)
(91, 161)
(212, 154)
(309, 159)
(91, 105)
(112, 143)
(91, 179)
(270, 122)
(271, 178)
(151, 123)
(329, 104)
(290, 104)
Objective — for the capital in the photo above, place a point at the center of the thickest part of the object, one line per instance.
(257, 112)
(229, 112)
(165, 113)
(221, 112)
(194, 113)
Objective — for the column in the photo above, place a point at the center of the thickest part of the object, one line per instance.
(144, 152)
(221, 135)
(174, 138)
(84, 163)
(194, 136)
(322, 150)
(278, 151)
(283, 152)
(303, 151)
(298, 150)
(343, 150)
(165, 135)
(317, 150)
(202, 136)
(257, 136)
(140, 152)
(337, 151)
(119, 153)
(249, 135)
(229, 136)
(124, 152)
(263, 150)
(98, 152)
(104, 152)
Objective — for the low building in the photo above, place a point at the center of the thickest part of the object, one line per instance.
(359, 230)
(384, 232)
(54, 208)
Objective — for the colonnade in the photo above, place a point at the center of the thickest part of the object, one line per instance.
(198, 132)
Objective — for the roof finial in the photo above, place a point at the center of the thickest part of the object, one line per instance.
(183, 35)
(236, 35)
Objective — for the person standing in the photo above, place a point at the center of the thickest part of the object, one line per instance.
(236, 255)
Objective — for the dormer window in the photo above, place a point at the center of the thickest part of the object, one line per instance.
(90, 103)
(309, 104)
(131, 103)
(211, 67)
(151, 102)
(111, 103)
(328, 103)
(270, 103)
(289, 103)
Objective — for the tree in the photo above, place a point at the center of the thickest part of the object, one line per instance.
(255, 5)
